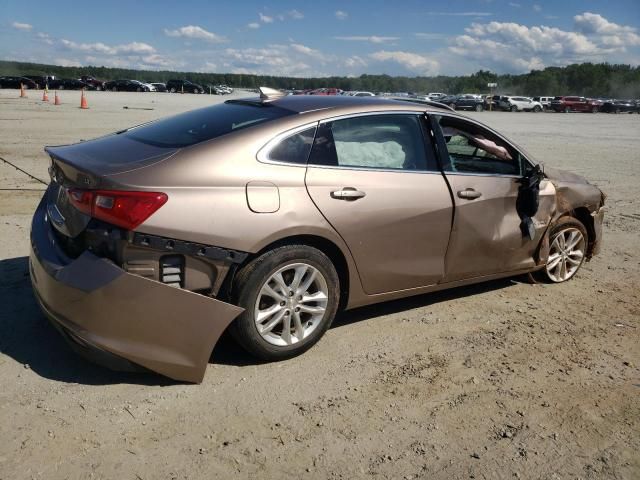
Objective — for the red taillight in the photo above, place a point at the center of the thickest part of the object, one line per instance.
(122, 208)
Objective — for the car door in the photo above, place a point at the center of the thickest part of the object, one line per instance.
(376, 181)
(484, 172)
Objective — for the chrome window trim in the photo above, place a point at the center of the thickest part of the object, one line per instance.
(371, 114)
(373, 169)
(263, 153)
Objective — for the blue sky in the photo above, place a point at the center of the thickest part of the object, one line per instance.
(298, 38)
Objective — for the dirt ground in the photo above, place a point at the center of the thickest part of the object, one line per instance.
(495, 381)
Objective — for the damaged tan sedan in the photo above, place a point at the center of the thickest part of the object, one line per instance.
(268, 215)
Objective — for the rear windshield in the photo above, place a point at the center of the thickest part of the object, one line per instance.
(205, 124)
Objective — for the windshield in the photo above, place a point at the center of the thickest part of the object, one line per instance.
(205, 124)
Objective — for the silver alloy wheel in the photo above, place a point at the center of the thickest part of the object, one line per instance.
(291, 304)
(565, 254)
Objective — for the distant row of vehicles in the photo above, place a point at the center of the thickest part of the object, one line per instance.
(88, 82)
(515, 103)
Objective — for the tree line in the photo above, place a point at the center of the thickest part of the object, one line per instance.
(587, 79)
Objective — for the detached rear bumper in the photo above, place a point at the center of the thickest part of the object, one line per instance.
(122, 320)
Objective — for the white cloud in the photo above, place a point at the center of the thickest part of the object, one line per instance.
(459, 14)
(341, 15)
(265, 18)
(295, 14)
(508, 46)
(514, 4)
(195, 32)
(537, 8)
(355, 62)
(430, 36)
(254, 25)
(45, 38)
(371, 39)
(99, 47)
(157, 60)
(310, 52)
(411, 61)
(609, 33)
(25, 27)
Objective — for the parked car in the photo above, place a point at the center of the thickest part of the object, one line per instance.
(518, 104)
(15, 82)
(160, 87)
(325, 91)
(40, 80)
(126, 86)
(544, 101)
(363, 94)
(436, 96)
(94, 82)
(575, 104)
(69, 84)
(469, 102)
(449, 100)
(493, 102)
(150, 242)
(185, 86)
(620, 106)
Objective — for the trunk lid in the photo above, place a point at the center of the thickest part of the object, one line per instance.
(88, 165)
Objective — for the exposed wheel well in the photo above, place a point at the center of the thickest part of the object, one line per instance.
(327, 247)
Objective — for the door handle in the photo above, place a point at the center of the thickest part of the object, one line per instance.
(469, 194)
(347, 193)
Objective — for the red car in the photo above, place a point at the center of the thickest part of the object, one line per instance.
(575, 104)
(326, 91)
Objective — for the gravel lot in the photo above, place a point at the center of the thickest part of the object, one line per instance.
(500, 380)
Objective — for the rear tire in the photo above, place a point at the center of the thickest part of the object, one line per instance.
(290, 296)
(594, 110)
(114, 89)
(453, 106)
(567, 109)
(537, 109)
(479, 108)
(514, 108)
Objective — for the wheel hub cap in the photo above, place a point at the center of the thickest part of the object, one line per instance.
(565, 254)
(291, 304)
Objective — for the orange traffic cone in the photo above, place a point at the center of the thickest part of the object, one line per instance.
(83, 101)
(23, 93)
(56, 100)
(45, 95)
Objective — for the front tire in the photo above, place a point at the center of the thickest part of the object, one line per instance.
(513, 108)
(290, 296)
(567, 251)
(479, 108)
(537, 109)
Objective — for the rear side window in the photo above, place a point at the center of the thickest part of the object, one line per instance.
(390, 142)
(294, 148)
(205, 124)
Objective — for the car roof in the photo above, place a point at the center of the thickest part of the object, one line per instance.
(347, 104)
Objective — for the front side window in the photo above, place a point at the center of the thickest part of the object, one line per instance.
(473, 149)
(391, 142)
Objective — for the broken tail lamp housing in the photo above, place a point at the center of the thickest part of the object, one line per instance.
(126, 209)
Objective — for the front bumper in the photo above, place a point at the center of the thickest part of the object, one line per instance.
(121, 317)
